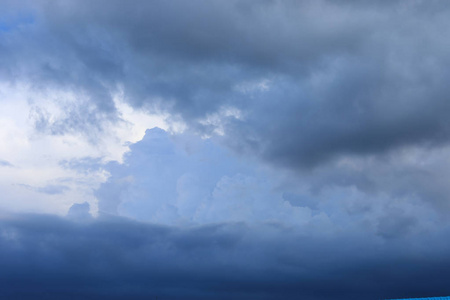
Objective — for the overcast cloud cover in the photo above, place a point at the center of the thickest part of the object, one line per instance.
(224, 149)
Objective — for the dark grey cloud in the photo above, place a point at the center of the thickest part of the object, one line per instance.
(47, 257)
(344, 78)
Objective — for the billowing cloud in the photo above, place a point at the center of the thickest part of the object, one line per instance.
(182, 178)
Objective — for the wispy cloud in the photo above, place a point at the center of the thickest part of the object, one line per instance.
(50, 189)
(4, 163)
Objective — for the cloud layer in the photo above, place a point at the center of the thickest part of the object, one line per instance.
(52, 258)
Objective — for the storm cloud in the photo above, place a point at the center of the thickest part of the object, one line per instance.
(114, 258)
(302, 154)
(311, 80)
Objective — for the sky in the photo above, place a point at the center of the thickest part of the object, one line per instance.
(224, 149)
